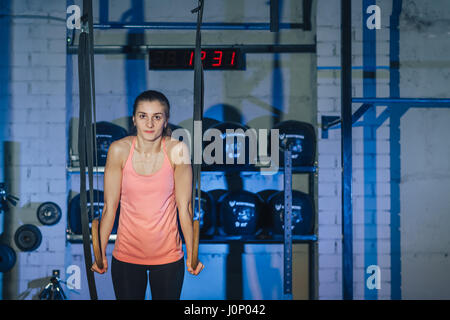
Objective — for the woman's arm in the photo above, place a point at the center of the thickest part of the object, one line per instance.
(112, 186)
(183, 195)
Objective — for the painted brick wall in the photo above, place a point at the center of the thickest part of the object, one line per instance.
(34, 141)
(416, 269)
(370, 146)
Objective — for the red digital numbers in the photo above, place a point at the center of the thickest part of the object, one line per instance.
(232, 58)
(217, 57)
(191, 59)
(214, 59)
(184, 59)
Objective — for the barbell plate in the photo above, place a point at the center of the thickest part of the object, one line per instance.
(49, 213)
(7, 258)
(28, 237)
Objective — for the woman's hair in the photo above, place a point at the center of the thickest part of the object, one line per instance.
(150, 96)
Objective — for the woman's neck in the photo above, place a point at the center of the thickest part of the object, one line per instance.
(148, 147)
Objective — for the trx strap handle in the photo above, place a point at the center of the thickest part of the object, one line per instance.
(85, 137)
(197, 125)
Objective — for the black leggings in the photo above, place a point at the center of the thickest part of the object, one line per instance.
(130, 280)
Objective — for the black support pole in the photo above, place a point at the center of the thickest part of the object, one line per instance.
(346, 145)
(274, 16)
(307, 7)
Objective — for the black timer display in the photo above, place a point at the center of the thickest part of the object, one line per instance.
(183, 59)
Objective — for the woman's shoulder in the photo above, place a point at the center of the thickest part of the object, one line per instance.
(121, 148)
(123, 144)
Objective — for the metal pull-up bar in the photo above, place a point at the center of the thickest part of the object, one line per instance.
(250, 48)
(440, 102)
(389, 102)
(193, 26)
(274, 25)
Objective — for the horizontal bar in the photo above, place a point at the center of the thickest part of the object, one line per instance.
(360, 112)
(193, 26)
(77, 169)
(355, 116)
(257, 169)
(78, 238)
(383, 101)
(33, 16)
(212, 169)
(353, 68)
(263, 48)
(278, 239)
(368, 102)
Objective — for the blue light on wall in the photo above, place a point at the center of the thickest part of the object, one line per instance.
(369, 133)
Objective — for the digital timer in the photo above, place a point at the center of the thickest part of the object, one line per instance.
(183, 59)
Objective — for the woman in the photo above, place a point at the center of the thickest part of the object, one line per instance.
(151, 175)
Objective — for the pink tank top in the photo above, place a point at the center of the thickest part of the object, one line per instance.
(148, 230)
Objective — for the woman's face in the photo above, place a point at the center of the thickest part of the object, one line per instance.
(150, 119)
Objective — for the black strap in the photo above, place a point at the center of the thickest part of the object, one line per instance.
(85, 135)
(198, 105)
(87, 8)
(91, 111)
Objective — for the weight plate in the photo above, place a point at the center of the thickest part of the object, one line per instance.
(236, 146)
(7, 258)
(302, 213)
(206, 212)
(28, 237)
(301, 137)
(49, 213)
(239, 211)
(206, 218)
(266, 214)
(106, 133)
(215, 196)
(74, 218)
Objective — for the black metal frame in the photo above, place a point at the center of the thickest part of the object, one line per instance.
(273, 26)
(143, 49)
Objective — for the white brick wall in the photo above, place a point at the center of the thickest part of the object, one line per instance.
(367, 195)
(37, 124)
(423, 74)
